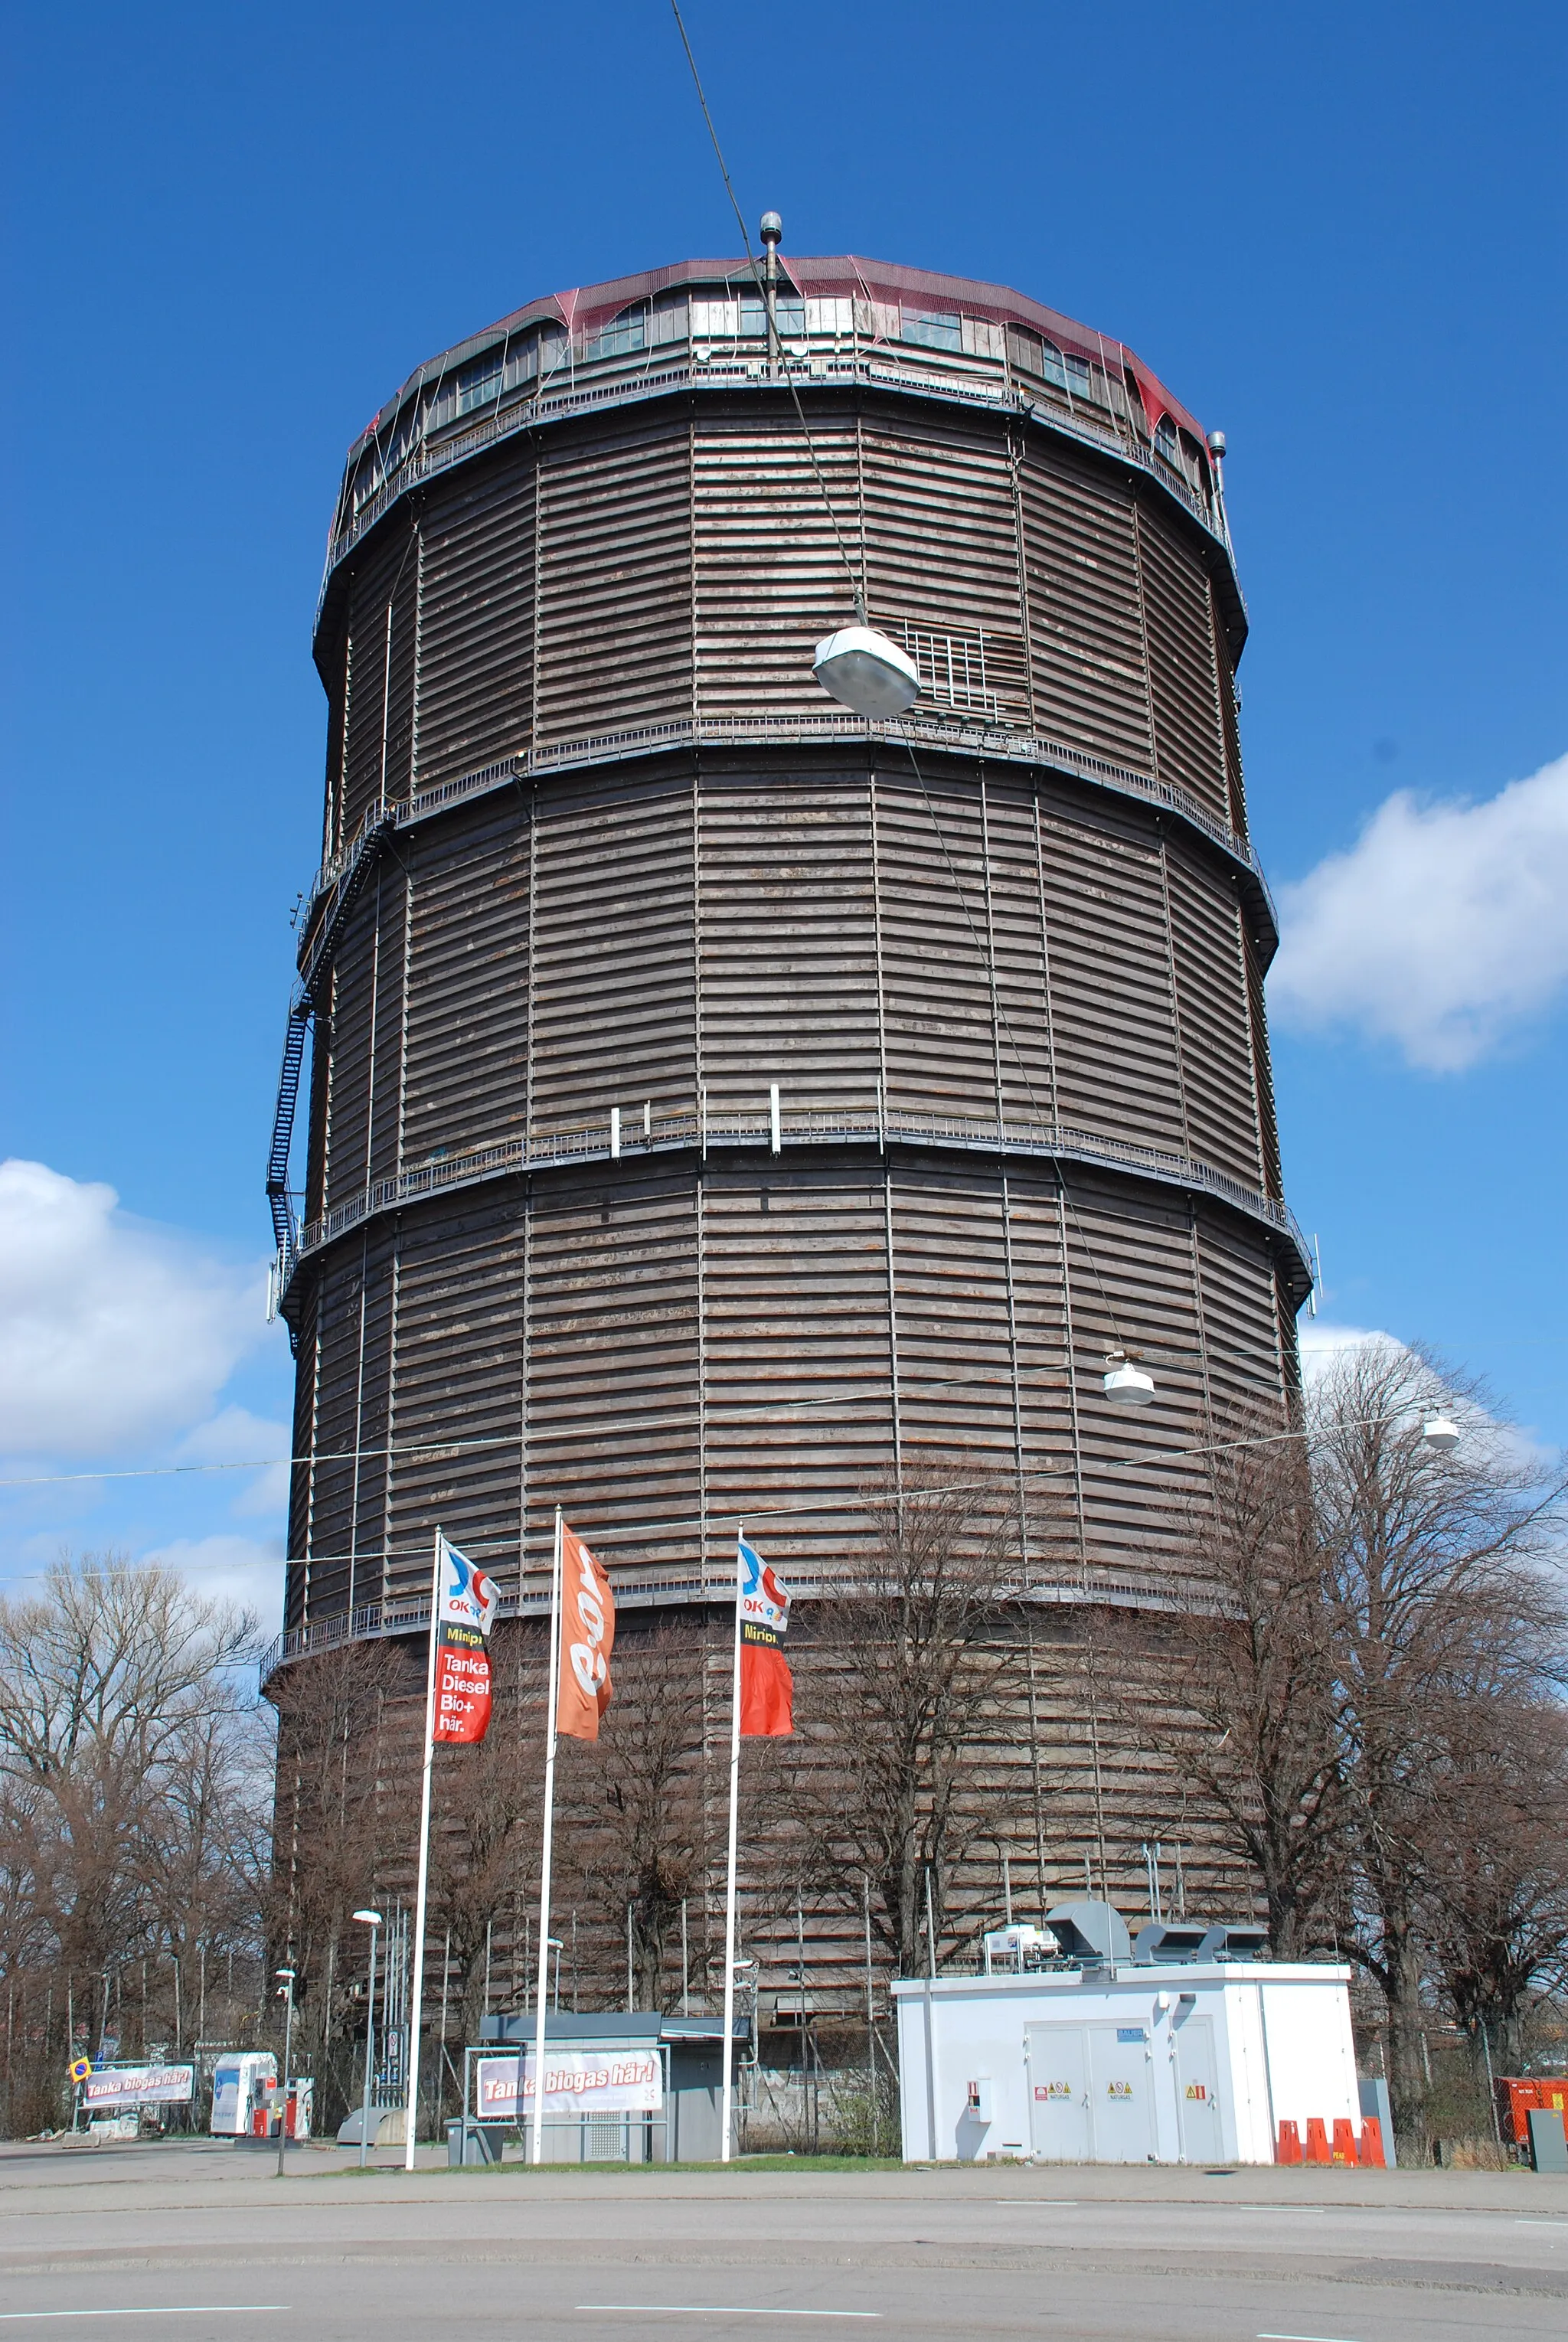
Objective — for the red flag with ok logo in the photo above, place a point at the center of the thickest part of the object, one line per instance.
(587, 1638)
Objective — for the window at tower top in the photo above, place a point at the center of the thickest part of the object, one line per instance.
(619, 338)
(939, 329)
(479, 383)
(790, 311)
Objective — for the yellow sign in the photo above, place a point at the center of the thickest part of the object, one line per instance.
(81, 2069)
(1196, 2090)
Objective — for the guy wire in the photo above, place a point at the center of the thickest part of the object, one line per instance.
(775, 347)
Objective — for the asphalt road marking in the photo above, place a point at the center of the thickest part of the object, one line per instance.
(706, 2309)
(1301, 2338)
(213, 2309)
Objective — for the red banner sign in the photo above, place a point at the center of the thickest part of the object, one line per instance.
(465, 1612)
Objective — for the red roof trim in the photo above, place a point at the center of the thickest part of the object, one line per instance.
(838, 276)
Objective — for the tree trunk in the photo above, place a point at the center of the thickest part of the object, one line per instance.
(1407, 2086)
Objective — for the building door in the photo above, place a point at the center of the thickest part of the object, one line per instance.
(1121, 2094)
(1058, 2093)
(1197, 2091)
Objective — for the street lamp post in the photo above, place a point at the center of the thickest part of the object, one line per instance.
(371, 1919)
(285, 1978)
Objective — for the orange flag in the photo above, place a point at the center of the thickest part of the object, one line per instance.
(587, 1638)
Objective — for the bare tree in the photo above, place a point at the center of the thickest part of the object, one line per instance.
(104, 1678)
(128, 1742)
(1434, 1598)
(633, 1807)
(1497, 1869)
(331, 1837)
(482, 1854)
(1246, 1717)
(905, 1679)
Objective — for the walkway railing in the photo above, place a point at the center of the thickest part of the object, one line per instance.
(644, 1587)
(695, 1129)
(997, 743)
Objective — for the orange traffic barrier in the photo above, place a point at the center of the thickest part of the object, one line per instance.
(1317, 2146)
(1371, 2152)
(1343, 2140)
(1288, 2149)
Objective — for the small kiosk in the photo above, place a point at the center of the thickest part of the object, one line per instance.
(1187, 2049)
(630, 2087)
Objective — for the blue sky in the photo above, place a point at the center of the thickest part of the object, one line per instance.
(1338, 233)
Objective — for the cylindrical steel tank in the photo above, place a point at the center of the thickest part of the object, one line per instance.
(718, 1102)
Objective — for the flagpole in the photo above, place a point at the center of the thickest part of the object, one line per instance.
(423, 1890)
(537, 2148)
(729, 2052)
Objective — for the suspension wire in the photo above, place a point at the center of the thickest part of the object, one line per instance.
(861, 1504)
(412, 1449)
(775, 347)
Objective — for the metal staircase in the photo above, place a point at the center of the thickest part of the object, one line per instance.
(285, 1225)
(333, 900)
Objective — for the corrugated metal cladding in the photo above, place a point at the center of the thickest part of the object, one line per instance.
(982, 980)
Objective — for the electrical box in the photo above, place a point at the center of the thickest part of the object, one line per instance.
(1020, 1949)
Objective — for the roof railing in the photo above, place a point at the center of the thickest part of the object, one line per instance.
(989, 385)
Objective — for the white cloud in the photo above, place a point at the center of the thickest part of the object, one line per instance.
(239, 1569)
(111, 1331)
(237, 1437)
(1320, 1343)
(1442, 929)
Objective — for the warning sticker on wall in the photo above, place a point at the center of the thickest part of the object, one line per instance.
(1196, 2090)
(1118, 2089)
(1052, 2089)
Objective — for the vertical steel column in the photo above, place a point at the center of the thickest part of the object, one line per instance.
(524, 1390)
(991, 963)
(375, 1022)
(876, 945)
(403, 1016)
(699, 1069)
(1045, 958)
(1176, 1034)
(418, 655)
(310, 1454)
(1078, 1504)
(1012, 1354)
(1199, 1314)
(1143, 632)
(892, 1326)
(358, 1426)
(391, 1457)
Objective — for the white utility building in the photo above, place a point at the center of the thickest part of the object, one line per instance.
(1124, 2059)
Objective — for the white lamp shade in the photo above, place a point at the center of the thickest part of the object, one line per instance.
(1127, 1385)
(1438, 1432)
(866, 671)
